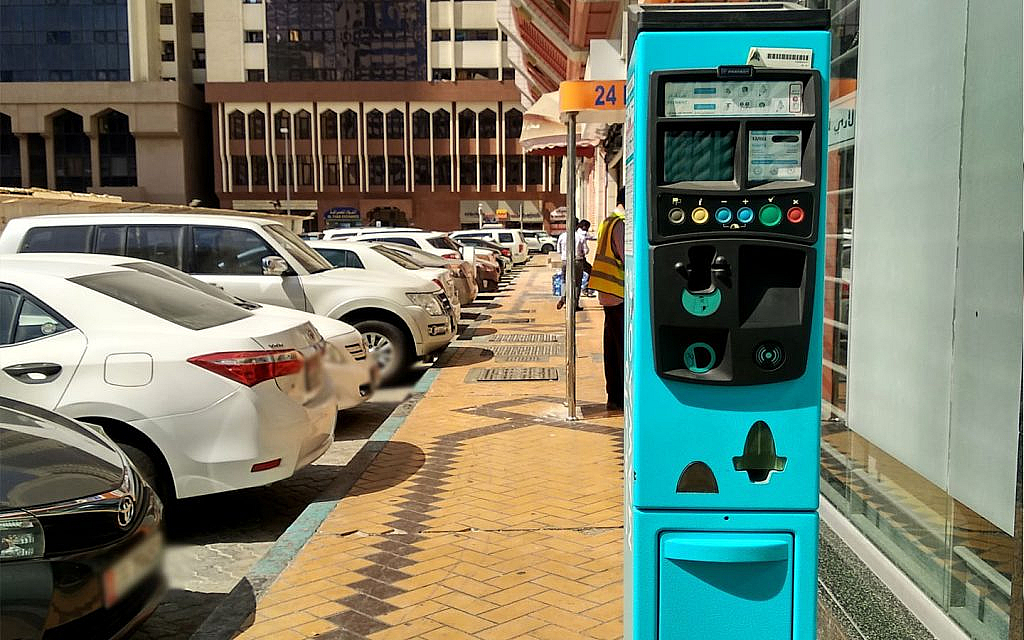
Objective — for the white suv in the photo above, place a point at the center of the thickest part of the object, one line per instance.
(511, 239)
(401, 317)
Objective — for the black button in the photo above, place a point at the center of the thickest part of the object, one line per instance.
(769, 355)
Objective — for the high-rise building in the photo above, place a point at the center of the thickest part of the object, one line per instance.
(99, 95)
(400, 111)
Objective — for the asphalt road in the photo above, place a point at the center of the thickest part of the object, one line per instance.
(213, 541)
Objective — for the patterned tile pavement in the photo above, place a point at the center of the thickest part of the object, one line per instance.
(488, 515)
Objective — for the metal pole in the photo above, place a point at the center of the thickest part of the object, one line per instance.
(569, 286)
(287, 171)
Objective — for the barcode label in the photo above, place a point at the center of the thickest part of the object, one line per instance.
(780, 58)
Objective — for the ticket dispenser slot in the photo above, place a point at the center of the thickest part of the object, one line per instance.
(725, 585)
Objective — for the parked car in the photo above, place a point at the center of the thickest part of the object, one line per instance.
(354, 375)
(376, 257)
(464, 271)
(511, 239)
(401, 317)
(202, 395)
(539, 241)
(503, 255)
(81, 544)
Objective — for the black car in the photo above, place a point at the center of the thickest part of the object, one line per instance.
(81, 543)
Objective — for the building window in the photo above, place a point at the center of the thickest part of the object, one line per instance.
(331, 176)
(376, 167)
(198, 22)
(329, 126)
(303, 122)
(282, 124)
(467, 124)
(421, 170)
(476, 74)
(375, 125)
(294, 35)
(10, 154)
(462, 35)
(441, 74)
(513, 170)
(166, 13)
(513, 123)
(396, 169)
(440, 35)
(253, 36)
(488, 124)
(58, 37)
(442, 124)
(71, 153)
(255, 75)
(257, 125)
(467, 170)
(396, 124)
(199, 58)
(239, 171)
(534, 170)
(350, 166)
(260, 174)
(167, 51)
(236, 125)
(285, 173)
(349, 126)
(420, 124)
(252, 1)
(488, 170)
(508, 73)
(305, 170)
(442, 170)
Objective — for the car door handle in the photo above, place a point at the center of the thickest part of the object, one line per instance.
(34, 372)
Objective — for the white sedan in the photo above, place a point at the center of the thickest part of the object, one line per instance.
(382, 259)
(202, 395)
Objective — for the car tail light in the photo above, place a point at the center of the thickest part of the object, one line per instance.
(506, 253)
(521, 249)
(251, 367)
(450, 256)
(438, 283)
(266, 466)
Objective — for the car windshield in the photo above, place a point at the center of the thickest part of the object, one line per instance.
(419, 256)
(443, 242)
(177, 303)
(396, 257)
(310, 260)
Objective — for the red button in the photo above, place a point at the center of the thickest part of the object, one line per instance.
(795, 215)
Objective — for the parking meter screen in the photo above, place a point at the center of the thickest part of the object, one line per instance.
(699, 155)
(774, 155)
(766, 97)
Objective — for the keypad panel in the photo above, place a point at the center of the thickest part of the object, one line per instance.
(785, 215)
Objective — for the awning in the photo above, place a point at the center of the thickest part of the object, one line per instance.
(544, 133)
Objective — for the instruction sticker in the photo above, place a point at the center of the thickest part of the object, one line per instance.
(774, 155)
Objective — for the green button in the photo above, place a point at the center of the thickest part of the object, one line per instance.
(770, 215)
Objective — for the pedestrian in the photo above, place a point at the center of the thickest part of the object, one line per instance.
(581, 238)
(607, 278)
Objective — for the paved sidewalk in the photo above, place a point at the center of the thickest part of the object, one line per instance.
(487, 515)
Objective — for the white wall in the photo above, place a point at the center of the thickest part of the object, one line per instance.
(935, 312)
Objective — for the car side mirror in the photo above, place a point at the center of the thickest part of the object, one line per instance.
(274, 266)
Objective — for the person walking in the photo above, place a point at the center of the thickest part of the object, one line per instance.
(607, 277)
(580, 240)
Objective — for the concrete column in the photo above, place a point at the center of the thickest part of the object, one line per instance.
(23, 159)
(94, 158)
(51, 167)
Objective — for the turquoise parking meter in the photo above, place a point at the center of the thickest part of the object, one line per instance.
(725, 171)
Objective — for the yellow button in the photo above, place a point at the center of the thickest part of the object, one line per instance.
(700, 215)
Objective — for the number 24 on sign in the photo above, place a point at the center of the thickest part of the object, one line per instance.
(588, 95)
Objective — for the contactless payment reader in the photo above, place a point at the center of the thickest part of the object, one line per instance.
(725, 172)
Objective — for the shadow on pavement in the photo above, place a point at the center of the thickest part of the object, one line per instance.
(464, 356)
(404, 458)
(180, 614)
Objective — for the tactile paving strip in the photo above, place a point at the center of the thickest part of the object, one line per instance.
(514, 374)
(523, 337)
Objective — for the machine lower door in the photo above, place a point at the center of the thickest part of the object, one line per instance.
(725, 585)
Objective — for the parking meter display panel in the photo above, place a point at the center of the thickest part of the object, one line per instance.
(724, 349)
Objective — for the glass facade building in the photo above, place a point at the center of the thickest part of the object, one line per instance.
(64, 40)
(344, 41)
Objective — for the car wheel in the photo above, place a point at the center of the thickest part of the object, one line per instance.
(388, 346)
(150, 471)
(548, 248)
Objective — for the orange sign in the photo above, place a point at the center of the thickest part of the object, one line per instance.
(592, 95)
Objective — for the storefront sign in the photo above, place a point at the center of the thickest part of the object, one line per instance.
(342, 217)
(842, 121)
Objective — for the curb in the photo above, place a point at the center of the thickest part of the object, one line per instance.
(237, 608)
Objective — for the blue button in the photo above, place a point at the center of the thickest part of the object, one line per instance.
(723, 215)
(745, 215)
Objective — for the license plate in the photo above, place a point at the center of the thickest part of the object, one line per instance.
(129, 571)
